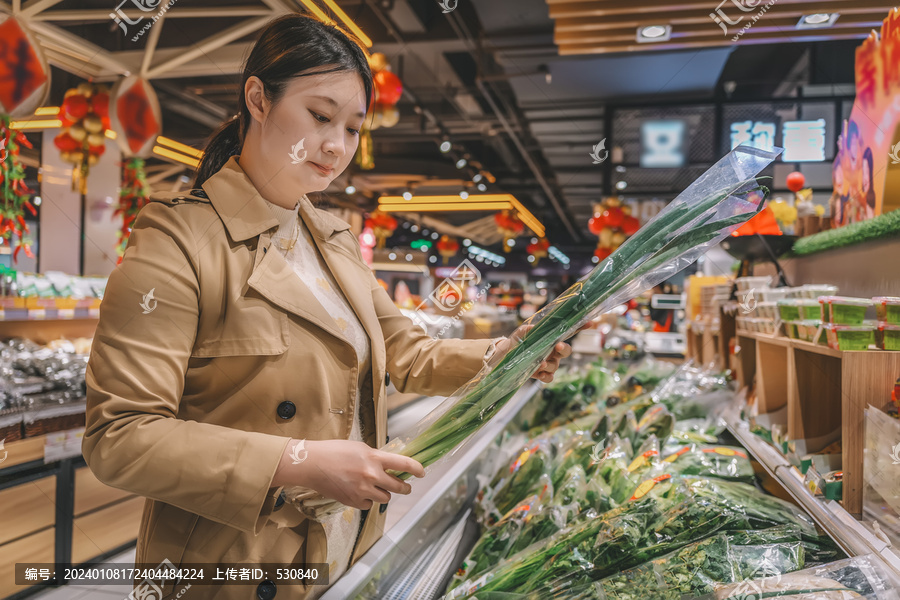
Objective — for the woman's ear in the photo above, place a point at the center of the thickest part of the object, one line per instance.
(255, 95)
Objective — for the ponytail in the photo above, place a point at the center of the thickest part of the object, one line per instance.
(226, 141)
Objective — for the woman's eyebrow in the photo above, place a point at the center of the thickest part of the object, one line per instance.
(334, 104)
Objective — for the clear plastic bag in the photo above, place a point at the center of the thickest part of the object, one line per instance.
(853, 578)
(717, 203)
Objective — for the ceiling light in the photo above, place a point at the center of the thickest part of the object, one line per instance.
(434, 235)
(446, 146)
(817, 21)
(595, 259)
(36, 201)
(414, 228)
(620, 169)
(350, 189)
(461, 163)
(392, 256)
(510, 242)
(478, 177)
(408, 257)
(530, 258)
(654, 33)
(481, 187)
(432, 259)
(407, 196)
(621, 185)
(466, 242)
(464, 194)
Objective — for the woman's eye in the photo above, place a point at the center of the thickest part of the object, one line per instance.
(319, 117)
(353, 131)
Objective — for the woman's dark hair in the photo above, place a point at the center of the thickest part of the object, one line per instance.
(870, 193)
(290, 46)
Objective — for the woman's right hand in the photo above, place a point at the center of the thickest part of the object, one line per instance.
(353, 473)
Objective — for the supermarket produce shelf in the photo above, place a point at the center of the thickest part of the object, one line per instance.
(851, 535)
(417, 521)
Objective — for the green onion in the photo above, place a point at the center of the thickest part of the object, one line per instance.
(667, 240)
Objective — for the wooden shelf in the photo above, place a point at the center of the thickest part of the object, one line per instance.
(824, 390)
(854, 537)
(44, 331)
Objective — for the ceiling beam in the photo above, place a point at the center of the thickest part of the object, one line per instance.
(51, 36)
(604, 8)
(183, 12)
(749, 37)
(211, 43)
(36, 6)
(707, 29)
(635, 19)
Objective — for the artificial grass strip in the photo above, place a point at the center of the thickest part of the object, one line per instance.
(882, 226)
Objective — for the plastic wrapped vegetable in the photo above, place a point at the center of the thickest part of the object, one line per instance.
(857, 577)
(722, 462)
(694, 569)
(496, 541)
(528, 474)
(716, 204)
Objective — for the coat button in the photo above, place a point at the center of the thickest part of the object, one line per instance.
(286, 409)
(279, 502)
(265, 590)
(387, 379)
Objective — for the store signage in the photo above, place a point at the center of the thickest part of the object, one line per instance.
(663, 143)
(803, 141)
(864, 186)
(416, 244)
(757, 134)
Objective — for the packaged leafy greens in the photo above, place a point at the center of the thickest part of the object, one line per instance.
(722, 462)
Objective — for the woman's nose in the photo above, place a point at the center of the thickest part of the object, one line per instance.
(335, 145)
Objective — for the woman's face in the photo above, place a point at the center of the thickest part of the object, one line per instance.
(305, 140)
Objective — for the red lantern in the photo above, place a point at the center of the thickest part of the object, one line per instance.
(630, 225)
(65, 143)
(538, 250)
(447, 247)
(100, 103)
(795, 181)
(388, 87)
(509, 225)
(97, 150)
(75, 107)
(382, 225)
(613, 217)
(596, 223)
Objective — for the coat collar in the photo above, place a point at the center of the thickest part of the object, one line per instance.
(245, 214)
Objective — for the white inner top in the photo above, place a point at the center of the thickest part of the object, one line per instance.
(342, 528)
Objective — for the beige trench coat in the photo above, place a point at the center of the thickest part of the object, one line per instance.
(211, 354)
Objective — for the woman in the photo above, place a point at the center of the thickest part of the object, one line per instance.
(244, 347)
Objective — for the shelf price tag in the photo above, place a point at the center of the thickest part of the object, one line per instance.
(37, 314)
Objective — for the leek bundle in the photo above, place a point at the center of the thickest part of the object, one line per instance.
(717, 203)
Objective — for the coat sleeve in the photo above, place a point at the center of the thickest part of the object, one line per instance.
(135, 379)
(418, 363)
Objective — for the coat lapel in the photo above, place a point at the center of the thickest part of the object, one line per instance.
(245, 215)
(276, 281)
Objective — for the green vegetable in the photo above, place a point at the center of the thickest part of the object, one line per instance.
(674, 233)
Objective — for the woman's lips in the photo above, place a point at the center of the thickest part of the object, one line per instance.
(321, 169)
